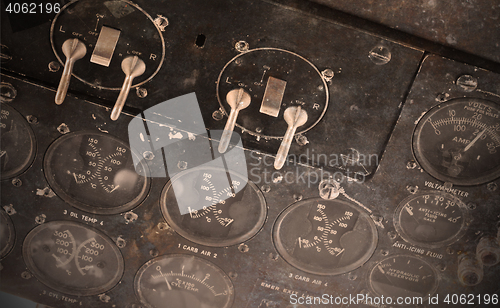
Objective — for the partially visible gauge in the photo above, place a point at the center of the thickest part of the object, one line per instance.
(183, 281)
(459, 141)
(17, 146)
(213, 207)
(404, 276)
(431, 219)
(73, 258)
(7, 234)
(273, 75)
(95, 172)
(325, 237)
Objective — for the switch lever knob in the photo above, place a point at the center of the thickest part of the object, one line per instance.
(294, 117)
(238, 99)
(73, 49)
(133, 67)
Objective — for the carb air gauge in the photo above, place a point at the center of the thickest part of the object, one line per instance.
(231, 209)
(325, 237)
(459, 141)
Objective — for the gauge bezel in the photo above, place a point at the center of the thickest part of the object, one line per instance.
(206, 240)
(282, 250)
(215, 268)
(61, 287)
(89, 207)
(405, 236)
(420, 156)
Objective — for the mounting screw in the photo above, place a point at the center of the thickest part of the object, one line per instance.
(327, 74)
(243, 247)
(241, 46)
(54, 66)
(217, 115)
(7, 92)
(467, 83)
(265, 188)
(412, 189)
(492, 186)
(26, 275)
(380, 55)
(17, 182)
(329, 189)
(32, 119)
(141, 92)
(411, 165)
(301, 140)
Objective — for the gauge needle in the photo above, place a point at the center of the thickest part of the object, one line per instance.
(2, 153)
(116, 187)
(168, 283)
(58, 260)
(474, 140)
(76, 180)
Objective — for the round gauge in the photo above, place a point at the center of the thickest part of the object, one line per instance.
(403, 276)
(275, 79)
(432, 219)
(17, 146)
(7, 234)
(116, 23)
(73, 258)
(94, 172)
(459, 141)
(325, 237)
(183, 281)
(213, 207)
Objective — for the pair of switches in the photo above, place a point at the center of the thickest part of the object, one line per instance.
(239, 99)
(74, 49)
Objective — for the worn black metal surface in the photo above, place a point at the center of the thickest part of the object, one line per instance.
(378, 92)
(469, 25)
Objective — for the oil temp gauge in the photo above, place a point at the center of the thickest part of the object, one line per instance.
(432, 219)
(73, 258)
(94, 172)
(459, 141)
(213, 207)
(325, 237)
(183, 281)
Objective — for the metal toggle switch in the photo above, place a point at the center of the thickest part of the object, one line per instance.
(105, 46)
(294, 117)
(238, 99)
(73, 49)
(132, 67)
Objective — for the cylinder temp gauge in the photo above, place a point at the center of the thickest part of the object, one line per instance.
(73, 258)
(459, 141)
(95, 172)
(432, 219)
(325, 237)
(182, 281)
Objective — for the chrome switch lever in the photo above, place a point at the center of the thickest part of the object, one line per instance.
(294, 117)
(238, 99)
(73, 49)
(133, 67)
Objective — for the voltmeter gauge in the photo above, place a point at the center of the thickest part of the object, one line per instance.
(275, 79)
(183, 281)
(213, 207)
(73, 258)
(7, 234)
(459, 141)
(17, 146)
(325, 237)
(404, 276)
(95, 172)
(432, 219)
